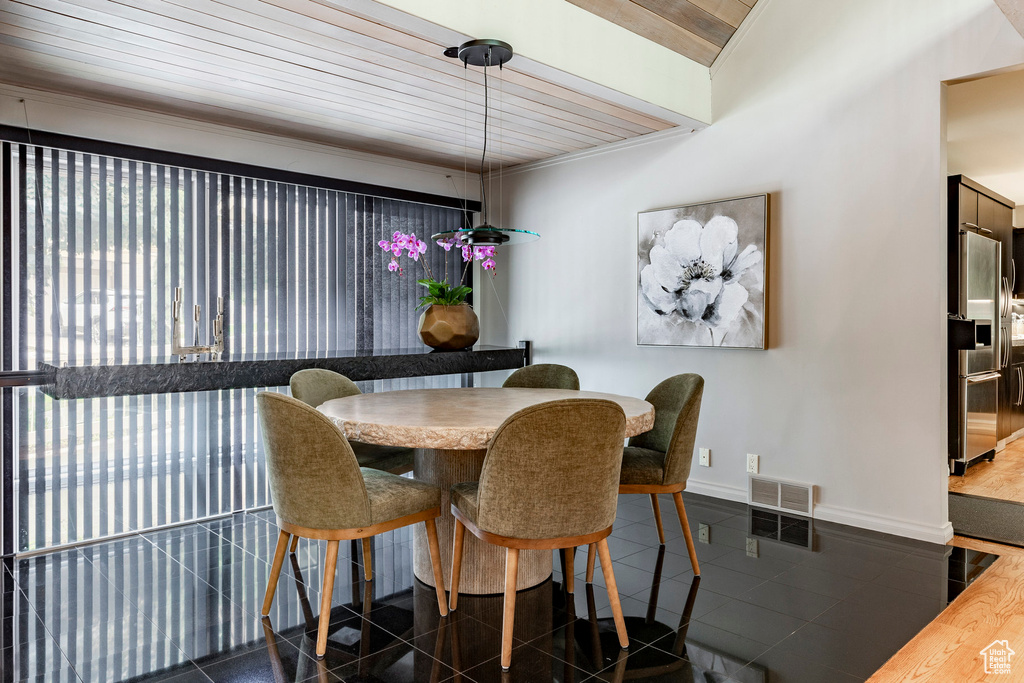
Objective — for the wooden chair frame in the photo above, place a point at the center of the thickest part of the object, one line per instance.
(653, 490)
(333, 537)
(512, 547)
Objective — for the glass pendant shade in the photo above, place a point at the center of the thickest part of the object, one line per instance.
(488, 235)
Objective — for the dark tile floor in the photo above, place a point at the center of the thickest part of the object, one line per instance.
(778, 600)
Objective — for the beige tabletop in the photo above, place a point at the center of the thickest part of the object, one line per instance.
(455, 419)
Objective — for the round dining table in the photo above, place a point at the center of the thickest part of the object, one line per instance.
(450, 430)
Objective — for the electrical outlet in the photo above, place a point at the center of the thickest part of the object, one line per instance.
(703, 533)
(753, 463)
(752, 550)
(705, 457)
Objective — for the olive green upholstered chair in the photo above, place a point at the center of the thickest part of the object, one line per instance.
(658, 461)
(549, 481)
(320, 492)
(316, 386)
(544, 376)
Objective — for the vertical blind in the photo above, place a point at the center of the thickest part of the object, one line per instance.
(97, 245)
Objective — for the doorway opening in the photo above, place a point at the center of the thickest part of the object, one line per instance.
(985, 255)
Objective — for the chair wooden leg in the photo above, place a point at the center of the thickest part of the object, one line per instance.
(509, 619)
(613, 591)
(275, 571)
(683, 522)
(591, 556)
(656, 506)
(460, 537)
(435, 565)
(368, 558)
(325, 598)
(295, 545)
(569, 554)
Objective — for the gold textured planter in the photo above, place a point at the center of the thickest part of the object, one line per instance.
(449, 327)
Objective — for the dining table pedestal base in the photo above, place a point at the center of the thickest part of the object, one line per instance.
(483, 564)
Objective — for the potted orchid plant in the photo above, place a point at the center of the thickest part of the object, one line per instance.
(448, 322)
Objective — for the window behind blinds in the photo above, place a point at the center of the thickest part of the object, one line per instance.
(97, 246)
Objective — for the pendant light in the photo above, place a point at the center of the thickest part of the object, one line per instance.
(485, 53)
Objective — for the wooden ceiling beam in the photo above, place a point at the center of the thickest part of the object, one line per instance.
(692, 18)
(697, 29)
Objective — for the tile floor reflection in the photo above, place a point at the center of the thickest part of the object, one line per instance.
(778, 600)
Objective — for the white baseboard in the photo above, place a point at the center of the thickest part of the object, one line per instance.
(862, 520)
(704, 488)
(898, 527)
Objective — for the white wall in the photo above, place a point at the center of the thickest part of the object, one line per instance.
(836, 109)
(59, 113)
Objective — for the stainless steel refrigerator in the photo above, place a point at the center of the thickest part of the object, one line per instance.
(981, 300)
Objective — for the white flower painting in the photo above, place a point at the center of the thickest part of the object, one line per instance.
(701, 274)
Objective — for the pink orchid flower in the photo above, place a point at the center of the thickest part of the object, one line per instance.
(488, 264)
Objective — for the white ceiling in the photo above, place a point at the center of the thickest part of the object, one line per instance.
(985, 132)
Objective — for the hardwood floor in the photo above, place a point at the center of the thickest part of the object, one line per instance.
(991, 608)
(1002, 478)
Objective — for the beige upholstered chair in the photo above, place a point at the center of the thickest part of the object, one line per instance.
(316, 386)
(320, 492)
(544, 376)
(549, 481)
(658, 461)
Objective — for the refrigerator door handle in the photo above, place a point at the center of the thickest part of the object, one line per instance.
(1013, 277)
(1005, 303)
(987, 377)
(1020, 386)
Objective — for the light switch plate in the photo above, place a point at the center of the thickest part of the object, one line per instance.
(703, 533)
(753, 464)
(705, 457)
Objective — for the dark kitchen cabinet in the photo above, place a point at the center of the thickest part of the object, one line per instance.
(968, 200)
(1015, 398)
(1009, 388)
(1018, 258)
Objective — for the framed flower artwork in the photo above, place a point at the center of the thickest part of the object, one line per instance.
(701, 274)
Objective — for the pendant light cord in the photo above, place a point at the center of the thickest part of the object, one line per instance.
(483, 155)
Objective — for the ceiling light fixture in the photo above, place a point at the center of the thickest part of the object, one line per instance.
(485, 53)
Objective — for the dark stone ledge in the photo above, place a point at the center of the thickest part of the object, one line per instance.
(168, 376)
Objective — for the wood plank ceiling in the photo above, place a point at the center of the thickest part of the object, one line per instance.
(697, 29)
(306, 69)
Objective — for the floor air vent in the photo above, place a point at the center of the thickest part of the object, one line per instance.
(787, 496)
